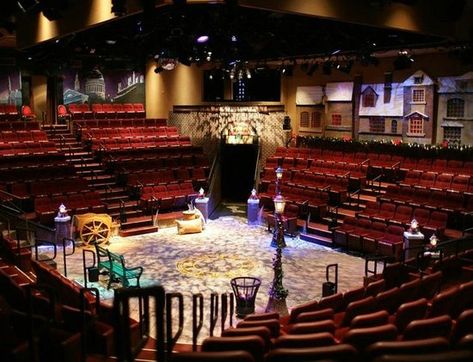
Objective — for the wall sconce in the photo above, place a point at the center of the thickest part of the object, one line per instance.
(253, 195)
(414, 226)
(433, 241)
(201, 193)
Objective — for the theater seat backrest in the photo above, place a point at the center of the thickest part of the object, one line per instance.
(339, 352)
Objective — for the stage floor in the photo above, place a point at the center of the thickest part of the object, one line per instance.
(228, 247)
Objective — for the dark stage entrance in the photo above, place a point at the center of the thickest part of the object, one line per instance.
(238, 170)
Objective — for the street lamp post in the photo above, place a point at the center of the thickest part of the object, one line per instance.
(277, 292)
(279, 204)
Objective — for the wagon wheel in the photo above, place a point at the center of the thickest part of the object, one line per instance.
(95, 231)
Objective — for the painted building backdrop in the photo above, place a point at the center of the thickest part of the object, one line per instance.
(97, 86)
(10, 87)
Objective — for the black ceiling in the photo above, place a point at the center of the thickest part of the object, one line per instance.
(235, 33)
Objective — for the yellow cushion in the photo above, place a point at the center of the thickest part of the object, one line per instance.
(189, 226)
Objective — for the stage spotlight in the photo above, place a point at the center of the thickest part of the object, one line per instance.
(202, 39)
(287, 70)
(26, 5)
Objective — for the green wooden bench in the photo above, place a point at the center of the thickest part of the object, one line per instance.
(114, 264)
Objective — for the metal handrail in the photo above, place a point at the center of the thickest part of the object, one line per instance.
(121, 307)
(13, 196)
(356, 192)
(64, 254)
(375, 260)
(172, 339)
(197, 304)
(232, 308)
(123, 217)
(62, 142)
(377, 178)
(84, 267)
(223, 317)
(213, 312)
(39, 242)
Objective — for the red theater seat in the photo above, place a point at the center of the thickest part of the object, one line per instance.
(427, 328)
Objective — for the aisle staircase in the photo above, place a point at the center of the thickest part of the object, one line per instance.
(320, 231)
(119, 205)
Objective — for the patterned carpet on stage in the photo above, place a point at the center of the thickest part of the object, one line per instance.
(228, 247)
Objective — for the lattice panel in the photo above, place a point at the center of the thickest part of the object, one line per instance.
(206, 128)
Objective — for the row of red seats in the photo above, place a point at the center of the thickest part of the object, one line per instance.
(379, 159)
(124, 144)
(170, 196)
(49, 188)
(321, 166)
(413, 299)
(319, 181)
(118, 122)
(129, 132)
(166, 176)
(36, 172)
(370, 237)
(46, 207)
(28, 160)
(124, 155)
(35, 135)
(8, 112)
(8, 150)
(356, 325)
(449, 202)
(316, 198)
(156, 163)
(322, 154)
(328, 168)
(159, 158)
(412, 315)
(115, 110)
(430, 221)
(120, 110)
(17, 324)
(336, 187)
(442, 181)
(242, 346)
(52, 313)
(19, 125)
(350, 170)
(438, 165)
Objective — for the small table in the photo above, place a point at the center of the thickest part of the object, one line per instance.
(203, 205)
(252, 211)
(188, 215)
(413, 240)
